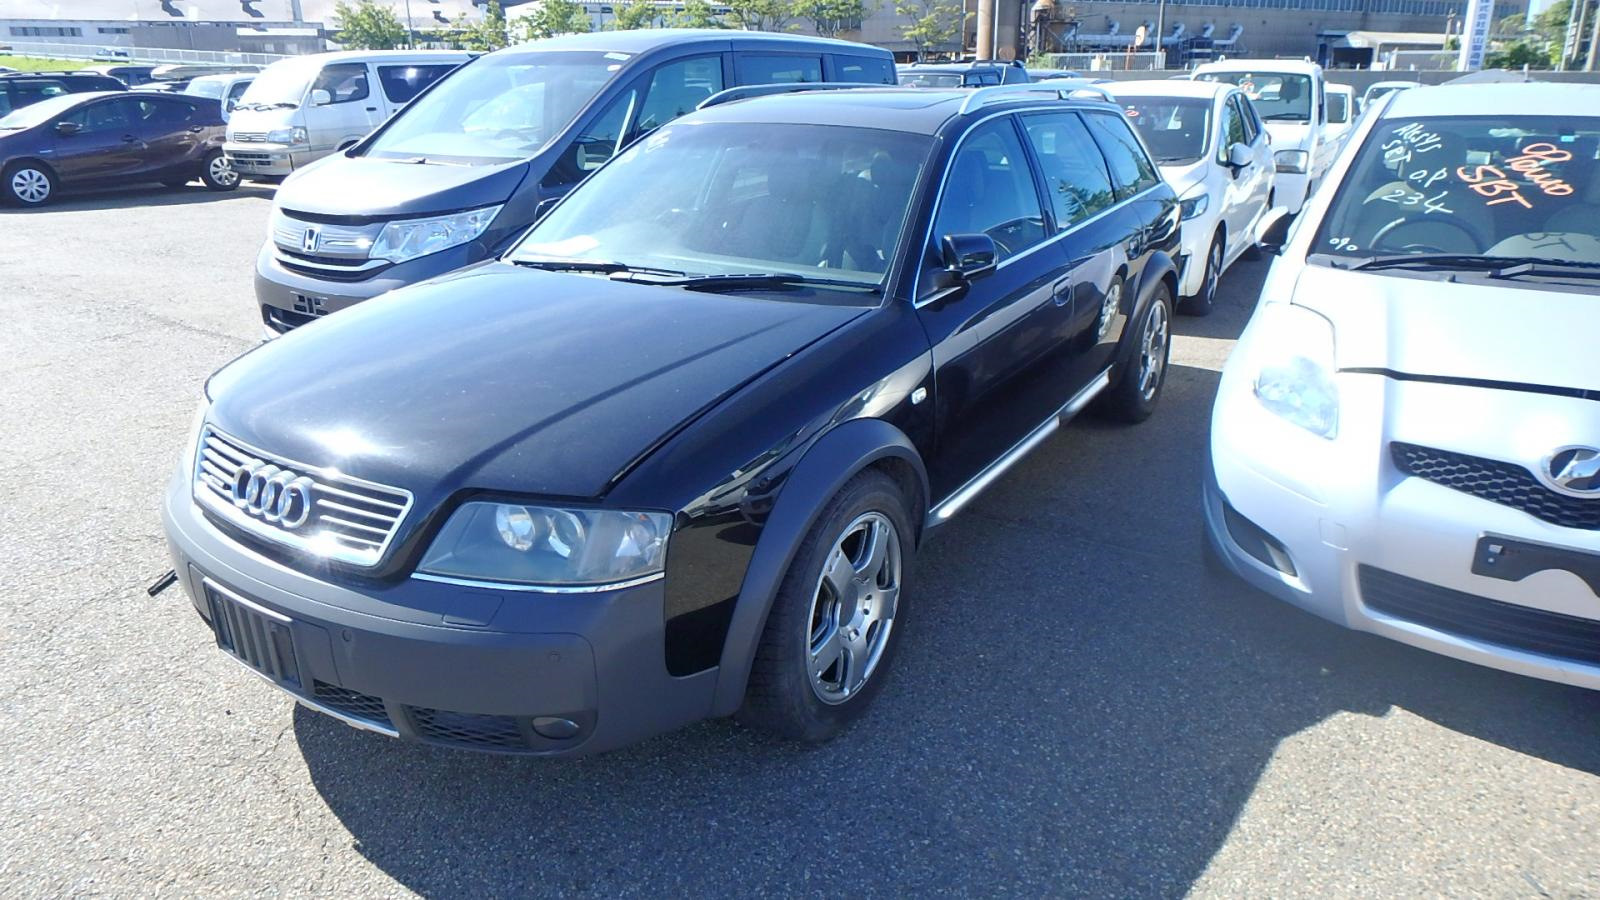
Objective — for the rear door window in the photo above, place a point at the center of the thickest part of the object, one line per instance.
(777, 68)
(864, 70)
(345, 83)
(1131, 170)
(676, 88)
(1075, 178)
(401, 83)
(159, 116)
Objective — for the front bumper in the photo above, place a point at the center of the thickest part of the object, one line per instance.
(274, 160)
(494, 670)
(1335, 528)
(290, 298)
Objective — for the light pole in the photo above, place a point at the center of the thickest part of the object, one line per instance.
(411, 29)
(1161, 27)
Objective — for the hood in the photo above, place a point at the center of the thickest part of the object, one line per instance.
(362, 186)
(1184, 178)
(507, 379)
(1289, 135)
(1501, 331)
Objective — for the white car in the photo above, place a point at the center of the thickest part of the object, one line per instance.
(1212, 148)
(1406, 439)
(1341, 117)
(1378, 89)
(1291, 98)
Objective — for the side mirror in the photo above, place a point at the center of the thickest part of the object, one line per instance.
(320, 97)
(969, 256)
(1274, 232)
(68, 129)
(1239, 156)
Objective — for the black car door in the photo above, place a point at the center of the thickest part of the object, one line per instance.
(172, 132)
(106, 143)
(992, 338)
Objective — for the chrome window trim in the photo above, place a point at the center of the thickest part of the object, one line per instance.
(927, 238)
(539, 588)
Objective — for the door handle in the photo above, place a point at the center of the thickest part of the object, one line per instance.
(1061, 291)
(372, 109)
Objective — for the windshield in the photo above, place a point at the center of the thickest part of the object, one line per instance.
(499, 108)
(33, 114)
(931, 79)
(1279, 96)
(283, 82)
(206, 87)
(1176, 129)
(819, 201)
(1501, 186)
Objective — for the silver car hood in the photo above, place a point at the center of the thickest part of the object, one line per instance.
(1506, 331)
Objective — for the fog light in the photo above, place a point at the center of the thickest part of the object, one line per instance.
(555, 727)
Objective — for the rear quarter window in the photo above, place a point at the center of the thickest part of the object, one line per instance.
(774, 68)
(864, 70)
(1131, 169)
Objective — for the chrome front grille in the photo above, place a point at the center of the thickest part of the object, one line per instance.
(313, 510)
(248, 137)
(339, 244)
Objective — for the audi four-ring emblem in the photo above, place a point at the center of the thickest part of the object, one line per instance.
(272, 493)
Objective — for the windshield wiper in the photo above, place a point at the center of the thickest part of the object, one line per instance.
(1493, 266)
(738, 281)
(598, 267)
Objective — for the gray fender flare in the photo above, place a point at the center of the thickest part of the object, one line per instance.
(832, 461)
(1160, 267)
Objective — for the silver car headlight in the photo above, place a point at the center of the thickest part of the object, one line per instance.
(1295, 162)
(1294, 379)
(406, 239)
(295, 135)
(1194, 205)
(529, 545)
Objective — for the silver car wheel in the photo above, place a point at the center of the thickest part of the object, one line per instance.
(1213, 271)
(1109, 307)
(30, 185)
(221, 172)
(852, 609)
(1153, 350)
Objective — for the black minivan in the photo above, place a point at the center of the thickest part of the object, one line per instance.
(466, 166)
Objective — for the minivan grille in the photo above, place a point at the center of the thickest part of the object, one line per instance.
(1500, 482)
(312, 510)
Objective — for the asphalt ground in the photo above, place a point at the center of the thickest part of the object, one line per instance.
(1079, 707)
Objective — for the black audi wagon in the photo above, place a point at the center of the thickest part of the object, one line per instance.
(671, 455)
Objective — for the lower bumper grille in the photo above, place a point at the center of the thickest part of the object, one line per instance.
(1500, 482)
(283, 320)
(354, 704)
(1480, 618)
(469, 729)
(257, 637)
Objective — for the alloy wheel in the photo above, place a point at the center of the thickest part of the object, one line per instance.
(853, 607)
(221, 172)
(1109, 307)
(30, 185)
(1213, 271)
(1153, 350)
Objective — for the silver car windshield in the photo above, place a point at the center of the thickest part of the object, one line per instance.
(498, 109)
(1512, 187)
(1279, 96)
(824, 203)
(284, 83)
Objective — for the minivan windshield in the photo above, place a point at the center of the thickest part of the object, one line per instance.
(497, 109)
(283, 83)
(1174, 128)
(822, 203)
(1497, 187)
(1279, 96)
(207, 86)
(35, 113)
(930, 79)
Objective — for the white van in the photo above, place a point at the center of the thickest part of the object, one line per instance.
(1291, 97)
(301, 109)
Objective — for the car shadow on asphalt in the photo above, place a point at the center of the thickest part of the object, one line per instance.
(1080, 705)
(141, 195)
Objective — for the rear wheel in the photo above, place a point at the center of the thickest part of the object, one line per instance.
(217, 173)
(827, 644)
(28, 184)
(1202, 303)
(1133, 397)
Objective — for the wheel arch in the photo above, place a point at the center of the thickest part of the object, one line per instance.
(837, 456)
(1159, 270)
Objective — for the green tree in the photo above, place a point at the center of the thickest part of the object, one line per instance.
(830, 17)
(762, 15)
(488, 34)
(553, 17)
(1515, 55)
(695, 14)
(1551, 23)
(634, 14)
(368, 26)
(934, 23)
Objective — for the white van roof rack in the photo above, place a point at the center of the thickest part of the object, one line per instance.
(1055, 89)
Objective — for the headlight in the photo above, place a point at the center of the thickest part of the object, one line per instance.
(410, 238)
(540, 545)
(1294, 162)
(1295, 377)
(1194, 206)
(296, 135)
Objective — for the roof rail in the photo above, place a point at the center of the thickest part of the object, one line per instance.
(746, 91)
(1055, 89)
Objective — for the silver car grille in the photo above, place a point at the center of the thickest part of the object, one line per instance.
(248, 137)
(347, 242)
(313, 510)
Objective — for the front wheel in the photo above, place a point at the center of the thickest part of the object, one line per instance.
(827, 644)
(217, 173)
(28, 184)
(1203, 302)
(1133, 397)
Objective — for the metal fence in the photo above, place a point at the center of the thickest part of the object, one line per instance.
(136, 54)
(1111, 61)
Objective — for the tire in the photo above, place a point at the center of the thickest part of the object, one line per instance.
(806, 683)
(1134, 395)
(1202, 303)
(217, 174)
(28, 184)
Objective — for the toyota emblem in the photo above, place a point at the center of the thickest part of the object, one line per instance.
(1574, 471)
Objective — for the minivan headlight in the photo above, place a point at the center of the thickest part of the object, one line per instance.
(407, 239)
(529, 545)
(1292, 161)
(295, 135)
(1294, 379)
(1194, 205)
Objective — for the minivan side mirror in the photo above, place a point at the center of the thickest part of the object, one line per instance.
(320, 97)
(969, 256)
(1239, 156)
(1274, 231)
(68, 129)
